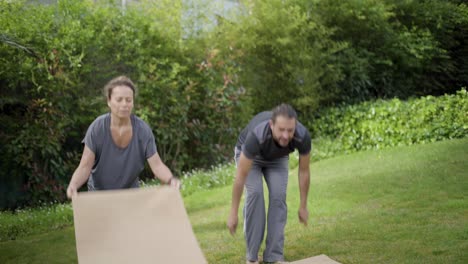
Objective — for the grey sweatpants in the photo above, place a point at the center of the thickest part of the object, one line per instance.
(275, 173)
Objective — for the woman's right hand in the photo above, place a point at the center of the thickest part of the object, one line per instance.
(175, 183)
(71, 191)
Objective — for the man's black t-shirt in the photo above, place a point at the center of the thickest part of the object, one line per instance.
(256, 139)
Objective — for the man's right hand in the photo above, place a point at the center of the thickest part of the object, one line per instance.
(71, 191)
(243, 167)
(232, 223)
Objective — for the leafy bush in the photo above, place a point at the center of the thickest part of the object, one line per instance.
(287, 54)
(54, 60)
(197, 87)
(384, 56)
(380, 124)
(396, 48)
(446, 24)
(40, 93)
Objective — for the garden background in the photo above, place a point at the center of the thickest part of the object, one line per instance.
(364, 75)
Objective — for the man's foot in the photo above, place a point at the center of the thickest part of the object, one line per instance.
(260, 260)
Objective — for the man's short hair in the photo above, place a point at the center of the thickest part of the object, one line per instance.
(283, 110)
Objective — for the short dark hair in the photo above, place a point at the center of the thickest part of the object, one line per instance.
(118, 81)
(283, 110)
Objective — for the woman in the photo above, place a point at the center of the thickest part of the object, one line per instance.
(116, 146)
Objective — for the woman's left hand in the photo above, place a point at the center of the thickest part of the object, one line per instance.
(174, 182)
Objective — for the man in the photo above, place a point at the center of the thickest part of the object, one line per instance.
(263, 148)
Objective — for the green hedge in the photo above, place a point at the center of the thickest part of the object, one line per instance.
(380, 124)
(54, 61)
(197, 88)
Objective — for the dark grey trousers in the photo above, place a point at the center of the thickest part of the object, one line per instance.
(275, 173)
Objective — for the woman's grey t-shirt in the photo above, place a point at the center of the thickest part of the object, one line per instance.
(115, 167)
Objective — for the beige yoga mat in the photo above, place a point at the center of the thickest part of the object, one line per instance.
(145, 225)
(320, 259)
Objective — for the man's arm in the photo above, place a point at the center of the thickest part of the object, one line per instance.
(161, 171)
(304, 183)
(242, 171)
(81, 174)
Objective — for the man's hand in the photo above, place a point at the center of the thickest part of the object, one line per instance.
(232, 223)
(243, 168)
(303, 215)
(304, 183)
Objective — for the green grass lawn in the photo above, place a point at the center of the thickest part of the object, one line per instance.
(400, 205)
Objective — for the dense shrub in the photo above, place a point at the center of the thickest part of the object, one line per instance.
(380, 124)
(54, 60)
(446, 22)
(199, 85)
(40, 61)
(397, 48)
(313, 54)
(287, 55)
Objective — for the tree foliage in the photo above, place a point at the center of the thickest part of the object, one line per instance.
(198, 86)
(287, 55)
(397, 48)
(56, 58)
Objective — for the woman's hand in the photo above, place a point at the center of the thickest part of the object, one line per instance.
(174, 182)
